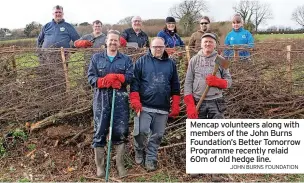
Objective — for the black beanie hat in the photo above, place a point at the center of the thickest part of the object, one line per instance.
(170, 19)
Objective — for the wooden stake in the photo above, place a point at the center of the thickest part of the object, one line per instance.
(235, 54)
(65, 70)
(14, 61)
(289, 68)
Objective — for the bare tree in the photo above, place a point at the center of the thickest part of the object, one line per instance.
(188, 13)
(298, 15)
(253, 13)
(126, 20)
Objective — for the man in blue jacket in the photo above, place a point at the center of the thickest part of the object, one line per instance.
(155, 83)
(238, 37)
(135, 35)
(57, 33)
(110, 70)
(54, 34)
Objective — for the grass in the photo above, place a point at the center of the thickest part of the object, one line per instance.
(263, 37)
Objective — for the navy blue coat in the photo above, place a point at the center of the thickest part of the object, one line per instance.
(100, 66)
(130, 36)
(156, 81)
(56, 35)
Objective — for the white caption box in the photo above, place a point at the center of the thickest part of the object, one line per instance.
(245, 146)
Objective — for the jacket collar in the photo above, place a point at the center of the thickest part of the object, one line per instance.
(61, 21)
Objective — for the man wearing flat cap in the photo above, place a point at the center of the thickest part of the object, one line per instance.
(199, 75)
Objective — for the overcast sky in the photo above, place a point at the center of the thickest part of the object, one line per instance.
(18, 13)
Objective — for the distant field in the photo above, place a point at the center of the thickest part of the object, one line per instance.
(17, 40)
(263, 37)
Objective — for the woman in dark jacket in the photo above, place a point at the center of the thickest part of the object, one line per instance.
(169, 33)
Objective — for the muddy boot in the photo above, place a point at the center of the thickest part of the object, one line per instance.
(139, 156)
(150, 165)
(120, 152)
(99, 161)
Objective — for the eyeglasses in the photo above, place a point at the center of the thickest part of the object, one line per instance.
(206, 23)
(58, 12)
(158, 47)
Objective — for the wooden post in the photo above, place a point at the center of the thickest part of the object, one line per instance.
(235, 54)
(14, 62)
(187, 56)
(289, 68)
(65, 69)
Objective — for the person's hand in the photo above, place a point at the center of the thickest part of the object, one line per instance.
(190, 107)
(102, 83)
(175, 109)
(116, 84)
(216, 82)
(83, 44)
(135, 101)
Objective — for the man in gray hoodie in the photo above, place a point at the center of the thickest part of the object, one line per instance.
(199, 75)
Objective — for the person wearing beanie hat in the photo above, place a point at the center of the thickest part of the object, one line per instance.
(238, 36)
(169, 34)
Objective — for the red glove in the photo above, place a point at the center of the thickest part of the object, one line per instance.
(102, 83)
(123, 42)
(135, 101)
(116, 84)
(83, 44)
(110, 78)
(121, 77)
(191, 109)
(216, 82)
(175, 106)
(170, 51)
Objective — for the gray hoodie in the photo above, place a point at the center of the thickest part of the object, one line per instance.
(199, 67)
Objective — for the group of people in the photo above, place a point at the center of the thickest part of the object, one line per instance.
(153, 81)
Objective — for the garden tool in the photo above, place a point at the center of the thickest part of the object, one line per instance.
(110, 137)
(219, 61)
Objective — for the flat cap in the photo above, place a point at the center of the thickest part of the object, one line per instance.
(209, 35)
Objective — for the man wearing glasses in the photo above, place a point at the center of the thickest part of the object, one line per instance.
(195, 39)
(134, 36)
(155, 82)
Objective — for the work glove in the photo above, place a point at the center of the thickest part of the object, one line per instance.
(216, 82)
(116, 84)
(102, 83)
(83, 44)
(110, 78)
(170, 51)
(175, 109)
(123, 42)
(190, 106)
(135, 101)
(121, 77)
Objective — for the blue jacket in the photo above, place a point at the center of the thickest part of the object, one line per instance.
(141, 39)
(171, 41)
(56, 35)
(240, 37)
(156, 81)
(100, 66)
